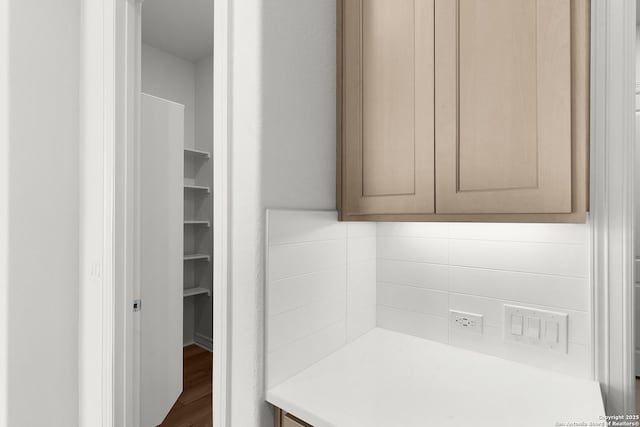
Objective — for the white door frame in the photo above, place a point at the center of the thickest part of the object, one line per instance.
(222, 66)
(111, 83)
(612, 208)
(612, 170)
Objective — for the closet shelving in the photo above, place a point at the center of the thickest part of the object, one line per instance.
(198, 223)
(200, 153)
(197, 257)
(191, 292)
(197, 188)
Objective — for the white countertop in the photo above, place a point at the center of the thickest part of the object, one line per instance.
(389, 379)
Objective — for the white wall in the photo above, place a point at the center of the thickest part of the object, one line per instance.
(638, 45)
(637, 208)
(91, 205)
(39, 211)
(320, 288)
(246, 250)
(204, 141)
(169, 77)
(282, 155)
(426, 269)
(4, 208)
(298, 104)
(204, 104)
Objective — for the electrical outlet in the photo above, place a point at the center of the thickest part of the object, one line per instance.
(468, 321)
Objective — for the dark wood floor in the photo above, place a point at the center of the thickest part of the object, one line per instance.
(193, 408)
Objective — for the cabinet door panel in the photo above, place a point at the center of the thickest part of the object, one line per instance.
(288, 421)
(503, 122)
(388, 96)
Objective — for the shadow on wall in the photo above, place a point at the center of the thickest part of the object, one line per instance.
(298, 104)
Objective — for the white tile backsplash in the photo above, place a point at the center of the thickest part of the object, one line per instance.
(414, 229)
(424, 270)
(542, 289)
(410, 298)
(361, 249)
(298, 291)
(527, 257)
(416, 249)
(295, 226)
(329, 282)
(541, 233)
(361, 279)
(418, 274)
(296, 259)
(287, 327)
(417, 324)
(575, 362)
(320, 288)
(304, 352)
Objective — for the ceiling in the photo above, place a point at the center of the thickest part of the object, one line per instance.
(183, 28)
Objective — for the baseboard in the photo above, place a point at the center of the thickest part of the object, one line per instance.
(204, 341)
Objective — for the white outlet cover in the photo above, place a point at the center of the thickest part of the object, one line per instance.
(557, 339)
(471, 322)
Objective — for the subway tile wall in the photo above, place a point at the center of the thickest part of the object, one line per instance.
(320, 288)
(330, 282)
(426, 269)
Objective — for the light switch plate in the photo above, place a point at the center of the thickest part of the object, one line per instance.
(550, 327)
(468, 321)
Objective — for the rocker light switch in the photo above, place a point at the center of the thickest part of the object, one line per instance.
(533, 327)
(551, 333)
(516, 325)
(536, 327)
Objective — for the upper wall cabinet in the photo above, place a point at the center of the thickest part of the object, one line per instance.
(463, 110)
(388, 106)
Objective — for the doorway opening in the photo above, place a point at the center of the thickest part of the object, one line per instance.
(175, 182)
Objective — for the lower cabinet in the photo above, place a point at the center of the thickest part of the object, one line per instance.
(284, 419)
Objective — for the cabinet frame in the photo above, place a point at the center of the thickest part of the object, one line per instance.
(284, 419)
(580, 117)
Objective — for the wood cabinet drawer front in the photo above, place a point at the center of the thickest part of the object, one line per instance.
(289, 421)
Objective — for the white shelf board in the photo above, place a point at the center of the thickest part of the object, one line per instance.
(205, 223)
(190, 292)
(199, 153)
(197, 188)
(195, 257)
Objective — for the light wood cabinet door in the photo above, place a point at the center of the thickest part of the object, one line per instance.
(283, 419)
(386, 107)
(503, 114)
(288, 421)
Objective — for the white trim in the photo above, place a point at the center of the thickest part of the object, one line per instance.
(126, 346)
(203, 341)
(612, 149)
(4, 210)
(98, 273)
(110, 130)
(109, 89)
(221, 108)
